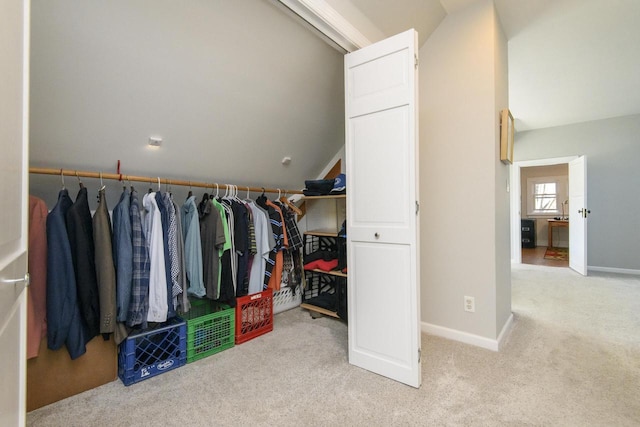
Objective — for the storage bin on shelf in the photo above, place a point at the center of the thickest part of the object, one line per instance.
(286, 299)
(313, 243)
(327, 291)
(254, 315)
(210, 328)
(153, 351)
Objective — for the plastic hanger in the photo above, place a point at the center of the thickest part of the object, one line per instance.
(235, 194)
(62, 179)
(262, 199)
(79, 181)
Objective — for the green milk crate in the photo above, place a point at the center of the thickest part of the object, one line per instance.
(210, 328)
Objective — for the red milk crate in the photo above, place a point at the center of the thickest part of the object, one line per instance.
(254, 315)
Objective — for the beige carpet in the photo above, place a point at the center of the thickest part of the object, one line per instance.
(572, 359)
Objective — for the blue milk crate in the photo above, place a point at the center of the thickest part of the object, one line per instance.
(153, 351)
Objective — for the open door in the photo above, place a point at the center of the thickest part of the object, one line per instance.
(382, 208)
(578, 213)
(14, 69)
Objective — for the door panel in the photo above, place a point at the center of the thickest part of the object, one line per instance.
(14, 71)
(381, 83)
(382, 176)
(381, 341)
(578, 221)
(379, 139)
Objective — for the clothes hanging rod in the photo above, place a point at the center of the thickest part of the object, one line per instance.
(154, 180)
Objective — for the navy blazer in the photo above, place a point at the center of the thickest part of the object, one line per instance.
(64, 321)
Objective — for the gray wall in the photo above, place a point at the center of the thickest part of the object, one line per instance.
(232, 86)
(464, 220)
(612, 147)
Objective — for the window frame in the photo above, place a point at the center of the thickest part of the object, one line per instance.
(561, 183)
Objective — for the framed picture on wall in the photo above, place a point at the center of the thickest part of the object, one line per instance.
(507, 132)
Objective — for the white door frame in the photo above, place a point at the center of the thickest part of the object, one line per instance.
(516, 196)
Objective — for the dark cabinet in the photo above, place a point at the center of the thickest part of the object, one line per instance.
(528, 233)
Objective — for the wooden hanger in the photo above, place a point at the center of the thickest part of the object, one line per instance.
(291, 206)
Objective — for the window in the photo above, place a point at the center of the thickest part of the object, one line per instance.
(546, 195)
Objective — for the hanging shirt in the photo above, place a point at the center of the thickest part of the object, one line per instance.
(226, 276)
(80, 232)
(183, 301)
(280, 234)
(158, 306)
(123, 254)
(242, 246)
(37, 295)
(226, 205)
(105, 271)
(212, 237)
(172, 230)
(141, 266)
(275, 233)
(293, 233)
(262, 230)
(163, 208)
(65, 325)
(192, 247)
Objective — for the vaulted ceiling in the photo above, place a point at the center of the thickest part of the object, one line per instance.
(570, 61)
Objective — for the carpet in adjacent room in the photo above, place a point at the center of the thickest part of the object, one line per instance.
(561, 254)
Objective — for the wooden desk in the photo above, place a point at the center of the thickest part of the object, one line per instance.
(556, 223)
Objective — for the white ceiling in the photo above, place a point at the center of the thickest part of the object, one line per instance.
(570, 61)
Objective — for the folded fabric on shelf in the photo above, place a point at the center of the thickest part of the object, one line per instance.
(321, 264)
(325, 255)
(318, 187)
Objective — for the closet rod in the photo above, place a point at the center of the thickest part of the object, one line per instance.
(154, 180)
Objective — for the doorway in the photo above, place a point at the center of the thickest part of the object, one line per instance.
(519, 211)
(545, 234)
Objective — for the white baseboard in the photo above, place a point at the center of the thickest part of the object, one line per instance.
(505, 331)
(467, 338)
(614, 270)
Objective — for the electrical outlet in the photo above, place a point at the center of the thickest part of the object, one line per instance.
(469, 304)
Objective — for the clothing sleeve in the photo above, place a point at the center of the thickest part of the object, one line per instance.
(37, 301)
(220, 238)
(193, 258)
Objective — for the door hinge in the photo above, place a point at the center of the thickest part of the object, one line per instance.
(419, 355)
(415, 57)
(417, 207)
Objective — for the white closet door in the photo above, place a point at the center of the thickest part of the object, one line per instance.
(14, 69)
(578, 213)
(382, 229)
